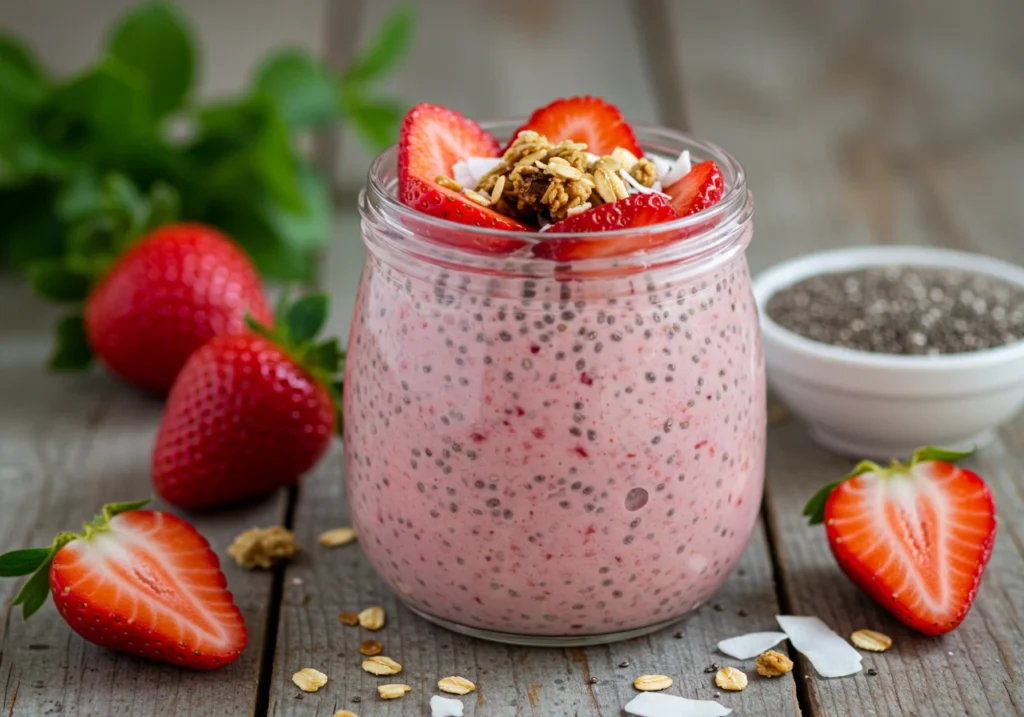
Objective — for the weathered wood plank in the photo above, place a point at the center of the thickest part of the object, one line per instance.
(512, 681)
(67, 445)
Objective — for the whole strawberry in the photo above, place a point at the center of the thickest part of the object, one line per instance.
(170, 293)
(137, 581)
(249, 412)
(915, 537)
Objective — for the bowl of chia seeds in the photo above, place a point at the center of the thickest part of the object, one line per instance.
(883, 349)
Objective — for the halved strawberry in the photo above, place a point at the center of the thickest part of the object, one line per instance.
(138, 581)
(636, 210)
(584, 119)
(914, 537)
(433, 138)
(700, 188)
(437, 201)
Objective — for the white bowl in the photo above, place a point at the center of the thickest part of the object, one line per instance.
(879, 405)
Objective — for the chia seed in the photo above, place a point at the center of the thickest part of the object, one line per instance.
(903, 310)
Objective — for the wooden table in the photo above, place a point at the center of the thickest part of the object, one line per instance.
(887, 123)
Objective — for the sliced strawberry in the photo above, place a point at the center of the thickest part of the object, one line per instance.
(437, 201)
(433, 138)
(138, 581)
(914, 537)
(636, 210)
(584, 119)
(701, 187)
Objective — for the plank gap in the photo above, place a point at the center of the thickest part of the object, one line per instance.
(265, 676)
(800, 665)
(652, 22)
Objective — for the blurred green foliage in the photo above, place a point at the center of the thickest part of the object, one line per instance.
(89, 162)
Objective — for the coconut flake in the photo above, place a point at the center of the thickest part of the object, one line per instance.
(468, 172)
(744, 647)
(658, 704)
(680, 168)
(637, 187)
(445, 707)
(831, 655)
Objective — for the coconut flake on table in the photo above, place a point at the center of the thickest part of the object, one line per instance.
(669, 174)
(744, 647)
(468, 172)
(445, 707)
(831, 655)
(657, 704)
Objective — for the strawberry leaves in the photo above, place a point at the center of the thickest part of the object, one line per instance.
(815, 508)
(36, 561)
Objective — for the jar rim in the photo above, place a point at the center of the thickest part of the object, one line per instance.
(711, 230)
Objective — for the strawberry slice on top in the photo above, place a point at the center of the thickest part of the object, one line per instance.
(137, 581)
(700, 188)
(636, 210)
(432, 139)
(584, 119)
(915, 537)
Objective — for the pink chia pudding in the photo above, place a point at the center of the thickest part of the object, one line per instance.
(554, 451)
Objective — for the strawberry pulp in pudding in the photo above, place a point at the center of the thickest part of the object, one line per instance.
(546, 452)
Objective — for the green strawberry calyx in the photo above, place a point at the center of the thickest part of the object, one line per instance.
(36, 561)
(815, 508)
(296, 326)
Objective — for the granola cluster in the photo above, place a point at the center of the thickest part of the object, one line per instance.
(538, 182)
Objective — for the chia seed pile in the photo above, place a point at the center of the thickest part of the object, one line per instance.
(903, 310)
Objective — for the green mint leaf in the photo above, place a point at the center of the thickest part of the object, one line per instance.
(22, 562)
(815, 508)
(305, 229)
(22, 81)
(377, 120)
(300, 87)
(931, 453)
(305, 318)
(386, 48)
(72, 352)
(276, 256)
(30, 230)
(53, 280)
(109, 98)
(156, 40)
(164, 205)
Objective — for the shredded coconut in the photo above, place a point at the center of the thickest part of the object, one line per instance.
(469, 172)
(680, 168)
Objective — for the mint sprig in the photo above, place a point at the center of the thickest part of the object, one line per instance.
(234, 162)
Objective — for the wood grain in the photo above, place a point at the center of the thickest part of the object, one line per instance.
(511, 681)
(67, 445)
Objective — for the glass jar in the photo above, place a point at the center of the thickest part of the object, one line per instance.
(555, 453)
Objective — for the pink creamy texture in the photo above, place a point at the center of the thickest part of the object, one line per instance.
(554, 458)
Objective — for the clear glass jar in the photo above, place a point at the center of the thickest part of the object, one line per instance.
(550, 453)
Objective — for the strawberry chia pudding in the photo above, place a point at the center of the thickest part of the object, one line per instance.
(554, 436)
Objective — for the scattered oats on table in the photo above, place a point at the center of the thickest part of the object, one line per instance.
(372, 618)
(773, 664)
(263, 547)
(309, 680)
(370, 648)
(731, 679)
(349, 618)
(380, 665)
(871, 640)
(337, 537)
(345, 713)
(455, 685)
(652, 683)
(392, 692)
